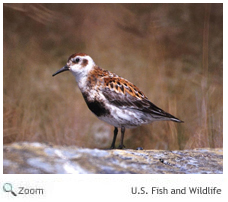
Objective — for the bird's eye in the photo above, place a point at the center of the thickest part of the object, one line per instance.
(76, 60)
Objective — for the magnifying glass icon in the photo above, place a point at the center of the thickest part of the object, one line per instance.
(7, 187)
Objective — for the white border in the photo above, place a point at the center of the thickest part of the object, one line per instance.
(114, 187)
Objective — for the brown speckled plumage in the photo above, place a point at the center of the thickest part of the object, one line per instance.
(112, 98)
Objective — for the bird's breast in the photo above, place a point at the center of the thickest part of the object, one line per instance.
(96, 105)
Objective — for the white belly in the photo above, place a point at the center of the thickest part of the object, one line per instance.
(129, 118)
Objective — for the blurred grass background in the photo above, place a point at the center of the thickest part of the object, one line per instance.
(172, 52)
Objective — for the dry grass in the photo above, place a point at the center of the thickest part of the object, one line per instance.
(172, 52)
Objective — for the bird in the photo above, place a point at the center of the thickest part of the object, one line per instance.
(113, 99)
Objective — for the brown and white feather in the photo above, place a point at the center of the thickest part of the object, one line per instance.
(112, 98)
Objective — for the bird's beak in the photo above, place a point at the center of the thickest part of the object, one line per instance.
(65, 68)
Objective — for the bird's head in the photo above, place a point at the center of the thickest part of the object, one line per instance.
(79, 65)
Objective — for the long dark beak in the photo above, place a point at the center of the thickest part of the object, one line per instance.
(65, 68)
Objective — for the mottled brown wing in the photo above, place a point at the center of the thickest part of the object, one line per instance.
(129, 96)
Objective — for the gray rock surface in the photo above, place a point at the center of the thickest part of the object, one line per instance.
(37, 158)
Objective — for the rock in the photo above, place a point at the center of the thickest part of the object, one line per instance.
(37, 158)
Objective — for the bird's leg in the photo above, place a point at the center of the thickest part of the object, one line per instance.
(121, 146)
(114, 138)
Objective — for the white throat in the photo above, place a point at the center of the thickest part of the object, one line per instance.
(81, 72)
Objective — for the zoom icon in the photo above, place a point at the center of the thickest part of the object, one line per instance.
(8, 187)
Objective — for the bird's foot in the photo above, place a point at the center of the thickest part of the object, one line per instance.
(112, 147)
(121, 146)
